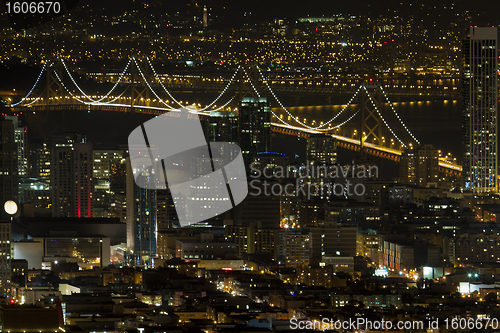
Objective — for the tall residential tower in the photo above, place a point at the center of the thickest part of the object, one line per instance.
(480, 103)
(254, 122)
(141, 220)
(9, 176)
(71, 176)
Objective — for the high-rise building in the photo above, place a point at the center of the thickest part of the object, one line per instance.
(205, 17)
(103, 161)
(476, 248)
(321, 150)
(408, 167)
(479, 111)
(5, 257)
(223, 127)
(21, 144)
(271, 162)
(295, 247)
(365, 241)
(259, 206)
(420, 167)
(8, 162)
(141, 220)
(254, 124)
(254, 238)
(40, 160)
(428, 165)
(103, 171)
(166, 214)
(71, 176)
(332, 239)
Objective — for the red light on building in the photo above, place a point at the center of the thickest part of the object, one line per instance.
(227, 268)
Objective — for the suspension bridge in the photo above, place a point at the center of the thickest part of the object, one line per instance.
(136, 90)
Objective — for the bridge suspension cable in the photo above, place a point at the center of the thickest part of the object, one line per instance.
(32, 88)
(251, 83)
(66, 88)
(224, 90)
(380, 115)
(161, 83)
(400, 120)
(317, 128)
(206, 107)
(151, 88)
(107, 94)
(220, 107)
(345, 122)
(258, 94)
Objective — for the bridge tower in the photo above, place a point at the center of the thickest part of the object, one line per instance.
(251, 73)
(139, 93)
(54, 87)
(371, 124)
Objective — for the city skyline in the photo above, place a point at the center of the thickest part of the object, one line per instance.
(249, 167)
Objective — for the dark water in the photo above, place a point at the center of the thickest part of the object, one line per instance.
(437, 122)
(104, 129)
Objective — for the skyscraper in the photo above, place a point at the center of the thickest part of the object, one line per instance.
(166, 214)
(71, 176)
(40, 160)
(102, 194)
(295, 247)
(254, 122)
(5, 257)
(321, 150)
(480, 102)
(205, 17)
(20, 139)
(408, 167)
(8, 162)
(420, 166)
(428, 165)
(223, 127)
(141, 220)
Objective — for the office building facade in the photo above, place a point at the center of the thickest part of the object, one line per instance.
(141, 220)
(8, 163)
(20, 138)
(71, 176)
(5, 258)
(420, 166)
(480, 103)
(254, 123)
(321, 150)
